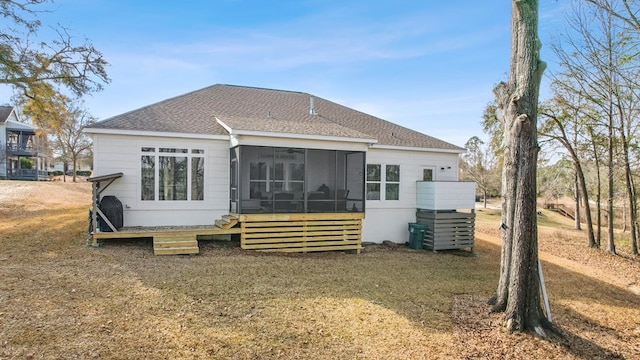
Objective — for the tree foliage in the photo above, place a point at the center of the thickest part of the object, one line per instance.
(625, 10)
(38, 67)
(564, 123)
(596, 100)
(70, 141)
(479, 164)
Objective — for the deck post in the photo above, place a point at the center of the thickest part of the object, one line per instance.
(95, 185)
(95, 204)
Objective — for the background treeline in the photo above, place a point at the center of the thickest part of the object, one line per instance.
(588, 125)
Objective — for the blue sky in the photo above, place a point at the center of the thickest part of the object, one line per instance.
(427, 65)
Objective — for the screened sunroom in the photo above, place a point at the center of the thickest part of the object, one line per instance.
(296, 180)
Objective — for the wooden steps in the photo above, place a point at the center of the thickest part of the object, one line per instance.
(226, 222)
(175, 244)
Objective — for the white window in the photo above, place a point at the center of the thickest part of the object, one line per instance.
(392, 186)
(383, 178)
(374, 178)
(171, 174)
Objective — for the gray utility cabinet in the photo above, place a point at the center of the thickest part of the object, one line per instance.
(438, 204)
(447, 229)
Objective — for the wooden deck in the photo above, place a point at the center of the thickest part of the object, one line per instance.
(172, 240)
(261, 232)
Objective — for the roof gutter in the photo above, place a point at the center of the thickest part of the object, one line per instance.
(154, 133)
(408, 148)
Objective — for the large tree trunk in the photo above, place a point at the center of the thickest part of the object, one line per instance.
(582, 186)
(596, 158)
(484, 195)
(611, 246)
(576, 217)
(631, 189)
(74, 161)
(587, 208)
(519, 287)
(633, 214)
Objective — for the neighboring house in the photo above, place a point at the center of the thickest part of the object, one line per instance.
(21, 157)
(265, 154)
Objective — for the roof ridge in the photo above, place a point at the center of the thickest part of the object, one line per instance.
(260, 88)
(202, 89)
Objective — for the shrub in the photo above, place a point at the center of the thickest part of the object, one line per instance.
(26, 163)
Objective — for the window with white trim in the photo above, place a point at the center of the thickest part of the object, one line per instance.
(169, 174)
(373, 181)
(392, 186)
(383, 178)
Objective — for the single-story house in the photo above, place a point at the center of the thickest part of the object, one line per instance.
(21, 155)
(263, 155)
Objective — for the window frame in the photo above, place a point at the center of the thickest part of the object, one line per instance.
(394, 183)
(383, 182)
(375, 181)
(156, 152)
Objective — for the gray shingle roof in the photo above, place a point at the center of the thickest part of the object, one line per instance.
(265, 110)
(5, 111)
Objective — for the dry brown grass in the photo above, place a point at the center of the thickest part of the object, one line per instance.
(62, 299)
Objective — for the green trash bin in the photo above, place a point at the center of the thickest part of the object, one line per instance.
(416, 235)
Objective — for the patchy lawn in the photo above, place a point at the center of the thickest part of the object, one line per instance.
(60, 298)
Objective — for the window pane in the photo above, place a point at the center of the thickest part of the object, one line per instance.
(393, 173)
(296, 171)
(296, 187)
(197, 178)
(197, 151)
(373, 172)
(427, 175)
(278, 186)
(258, 190)
(258, 171)
(172, 150)
(148, 172)
(373, 191)
(392, 192)
(148, 149)
(173, 178)
(279, 173)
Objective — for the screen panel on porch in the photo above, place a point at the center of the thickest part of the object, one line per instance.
(296, 180)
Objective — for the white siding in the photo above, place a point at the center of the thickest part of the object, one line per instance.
(384, 219)
(121, 153)
(388, 219)
(3, 149)
(387, 224)
(448, 195)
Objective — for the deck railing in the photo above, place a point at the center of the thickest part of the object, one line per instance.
(27, 174)
(445, 195)
(22, 148)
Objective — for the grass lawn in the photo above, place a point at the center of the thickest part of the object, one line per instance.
(60, 298)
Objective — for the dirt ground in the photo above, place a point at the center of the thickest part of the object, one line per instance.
(61, 299)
